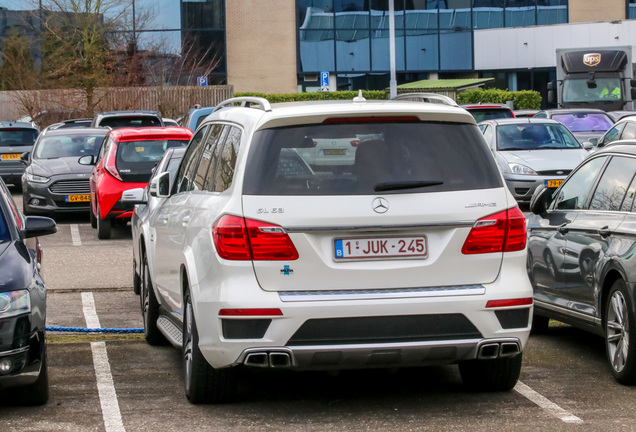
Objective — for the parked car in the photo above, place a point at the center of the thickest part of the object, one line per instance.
(587, 124)
(15, 139)
(23, 363)
(623, 129)
(120, 119)
(125, 161)
(488, 111)
(169, 122)
(195, 116)
(525, 113)
(258, 261)
(531, 152)
(144, 204)
(53, 180)
(581, 257)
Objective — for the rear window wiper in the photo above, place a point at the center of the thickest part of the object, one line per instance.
(400, 185)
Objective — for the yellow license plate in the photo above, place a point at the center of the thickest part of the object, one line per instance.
(78, 198)
(335, 152)
(10, 156)
(553, 183)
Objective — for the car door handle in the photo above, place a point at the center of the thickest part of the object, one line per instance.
(604, 232)
(185, 220)
(563, 229)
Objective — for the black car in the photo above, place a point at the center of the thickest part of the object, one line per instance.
(23, 370)
(120, 119)
(582, 254)
(15, 139)
(54, 181)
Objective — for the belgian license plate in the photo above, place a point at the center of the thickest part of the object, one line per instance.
(553, 183)
(10, 156)
(335, 152)
(381, 247)
(78, 198)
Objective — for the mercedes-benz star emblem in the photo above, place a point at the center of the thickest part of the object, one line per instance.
(380, 205)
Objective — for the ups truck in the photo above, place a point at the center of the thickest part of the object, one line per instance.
(594, 78)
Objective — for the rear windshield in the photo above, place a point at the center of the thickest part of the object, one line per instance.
(12, 137)
(369, 158)
(584, 122)
(136, 159)
(528, 136)
(481, 114)
(130, 121)
(68, 146)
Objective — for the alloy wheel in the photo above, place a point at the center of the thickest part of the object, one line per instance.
(617, 331)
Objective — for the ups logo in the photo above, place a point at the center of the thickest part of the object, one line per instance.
(591, 59)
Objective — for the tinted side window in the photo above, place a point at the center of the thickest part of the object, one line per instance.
(629, 132)
(227, 160)
(574, 192)
(613, 134)
(207, 158)
(611, 189)
(183, 180)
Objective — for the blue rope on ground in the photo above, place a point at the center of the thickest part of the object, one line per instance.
(94, 330)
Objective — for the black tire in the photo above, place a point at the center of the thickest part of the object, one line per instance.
(620, 339)
(203, 383)
(92, 217)
(150, 308)
(494, 375)
(540, 324)
(104, 227)
(136, 278)
(36, 393)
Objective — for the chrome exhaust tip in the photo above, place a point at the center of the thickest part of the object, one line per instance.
(257, 360)
(509, 349)
(489, 351)
(279, 360)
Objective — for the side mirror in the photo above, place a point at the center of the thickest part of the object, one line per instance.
(540, 200)
(551, 92)
(133, 196)
(36, 226)
(24, 158)
(588, 145)
(160, 185)
(593, 141)
(86, 160)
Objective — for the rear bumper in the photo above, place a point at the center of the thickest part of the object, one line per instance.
(363, 332)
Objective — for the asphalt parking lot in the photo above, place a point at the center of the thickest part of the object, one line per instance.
(116, 382)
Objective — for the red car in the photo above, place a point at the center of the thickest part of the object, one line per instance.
(125, 161)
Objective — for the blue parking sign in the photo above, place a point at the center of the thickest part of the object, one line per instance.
(324, 81)
(202, 80)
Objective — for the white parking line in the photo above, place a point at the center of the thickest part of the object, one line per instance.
(105, 386)
(75, 235)
(547, 405)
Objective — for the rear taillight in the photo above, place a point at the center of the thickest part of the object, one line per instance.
(109, 163)
(242, 239)
(355, 143)
(500, 232)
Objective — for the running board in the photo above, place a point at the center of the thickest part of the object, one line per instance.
(170, 331)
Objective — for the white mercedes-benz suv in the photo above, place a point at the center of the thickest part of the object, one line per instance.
(411, 253)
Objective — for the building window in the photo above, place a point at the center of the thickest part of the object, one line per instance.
(631, 9)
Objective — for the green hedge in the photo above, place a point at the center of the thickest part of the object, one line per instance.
(524, 99)
(294, 97)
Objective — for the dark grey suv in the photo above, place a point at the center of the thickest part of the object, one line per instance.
(15, 138)
(581, 254)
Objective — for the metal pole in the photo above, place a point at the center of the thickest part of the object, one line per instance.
(393, 81)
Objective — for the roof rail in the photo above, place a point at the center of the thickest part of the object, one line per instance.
(246, 101)
(427, 97)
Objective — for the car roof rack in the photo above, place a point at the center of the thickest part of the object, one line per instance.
(428, 97)
(245, 101)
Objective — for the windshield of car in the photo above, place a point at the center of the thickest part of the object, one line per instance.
(481, 114)
(529, 136)
(584, 122)
(136, 159)
(12, 137)
(129, 121)
(602, 89)
(53, 147)
(367, 158)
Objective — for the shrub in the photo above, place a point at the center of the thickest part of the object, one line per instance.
(524, 99)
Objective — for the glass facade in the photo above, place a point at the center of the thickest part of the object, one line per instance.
(631, 9)
(352, 36)
(176, 40)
